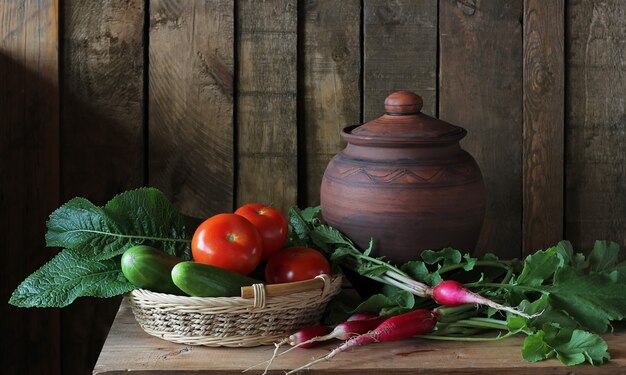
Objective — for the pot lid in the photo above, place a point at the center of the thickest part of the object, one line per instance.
(404, 122)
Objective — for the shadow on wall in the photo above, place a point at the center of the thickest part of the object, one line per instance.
(46, 158)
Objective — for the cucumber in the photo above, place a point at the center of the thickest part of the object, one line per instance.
(149, 268)
(203, 280)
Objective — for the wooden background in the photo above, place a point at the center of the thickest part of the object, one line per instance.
(223, 102)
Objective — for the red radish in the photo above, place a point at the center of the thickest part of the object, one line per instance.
(399, 327)
(453, 293)
(299, 338)
(361, 316)
(302, 338)
(309, 337)
(343, 331)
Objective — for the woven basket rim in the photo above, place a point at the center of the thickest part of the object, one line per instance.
(176, 301)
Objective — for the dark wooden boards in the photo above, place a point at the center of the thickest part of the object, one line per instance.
(399, 52)
(102, 147)
(595, 154)
(266, 103)
(330, 63)
(29, 166)
(480, 89)
(191, 62)
(543, 136)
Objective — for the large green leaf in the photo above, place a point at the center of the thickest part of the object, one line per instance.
(592, 299)
(68, 276)
(142, 216)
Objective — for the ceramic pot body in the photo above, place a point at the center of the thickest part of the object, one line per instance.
(408, 194)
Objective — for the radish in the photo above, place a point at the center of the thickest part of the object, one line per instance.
(399, 327)
(311, 336)
(342, 331)
(361, 316)
(302, 338)
(453, 293)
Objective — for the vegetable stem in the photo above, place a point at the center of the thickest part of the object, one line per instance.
(469, 339)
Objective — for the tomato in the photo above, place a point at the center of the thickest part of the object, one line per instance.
(271, 224)
(295, 264)
(228, 241)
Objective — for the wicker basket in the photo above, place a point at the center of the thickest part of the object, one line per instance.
(230, 321)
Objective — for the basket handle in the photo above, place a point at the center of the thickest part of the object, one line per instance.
(272, 290)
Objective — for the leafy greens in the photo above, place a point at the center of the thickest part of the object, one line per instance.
(93, 239)
(576, 297)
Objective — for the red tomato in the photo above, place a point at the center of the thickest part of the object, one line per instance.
(271, 224)
(295, 264)
(228, 241)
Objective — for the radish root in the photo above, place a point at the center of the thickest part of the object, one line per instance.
(275, 354)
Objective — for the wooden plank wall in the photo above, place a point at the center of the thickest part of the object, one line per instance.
(29, 170)
(222, 102)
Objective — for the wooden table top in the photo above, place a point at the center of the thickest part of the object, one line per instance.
(129, 349)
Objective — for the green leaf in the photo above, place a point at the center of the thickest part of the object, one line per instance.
(297, 225)
(400, 297)
(340, 254)
(548, 314)
(68, 276)
(539, 267)
(142, 216)
(575, 346)
(310, 214)
(375, 304)
(370, 247)
(565, 249)
(592, 299)
(329, 235)
(604, 256)
(368, 269)
(419, 272)
(570, 346)
(469, 262)
(448, 255)
(535, 348)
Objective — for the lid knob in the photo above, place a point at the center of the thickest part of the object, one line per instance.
(403, 103)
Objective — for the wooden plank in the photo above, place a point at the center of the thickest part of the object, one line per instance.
(543, 140)
(399, 52)
(191, 104)
(480, 89)
(596, 123)
(29, 166)
(266, 105)
(330, 61)
(101, 137)
(129, 350)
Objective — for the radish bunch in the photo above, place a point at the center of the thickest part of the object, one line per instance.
(396, 328)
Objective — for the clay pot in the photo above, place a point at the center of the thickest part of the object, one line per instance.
(404, 181)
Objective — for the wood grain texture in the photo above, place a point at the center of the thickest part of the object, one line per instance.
(130, 350)
(330, 69)
(191, 104)
(543, 136)
(267, 104)
(101, 137)
(480, 89)
(29, 166)
(399, 52)
(595, 156)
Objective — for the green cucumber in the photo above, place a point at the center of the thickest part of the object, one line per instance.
(203, 280)
(149, 268)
